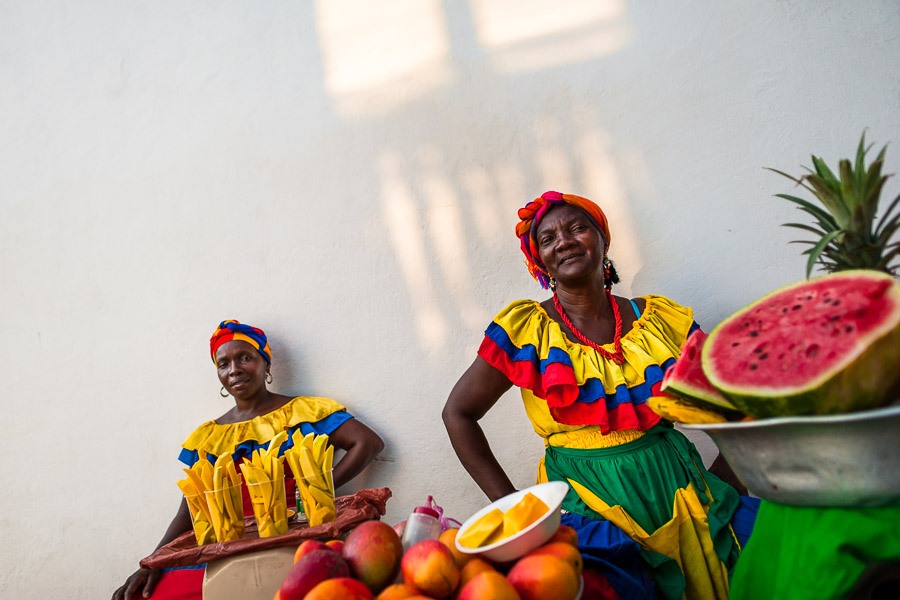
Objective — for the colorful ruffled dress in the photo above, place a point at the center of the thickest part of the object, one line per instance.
(303, 413)
(640, 498)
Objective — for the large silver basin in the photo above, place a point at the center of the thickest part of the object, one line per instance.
(850, 460)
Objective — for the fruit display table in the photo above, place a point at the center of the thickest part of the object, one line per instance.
(253, 576)
(183, 551)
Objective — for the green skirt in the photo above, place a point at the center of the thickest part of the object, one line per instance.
(643, 477)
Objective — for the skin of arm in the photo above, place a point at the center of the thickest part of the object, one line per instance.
(361, 445)
(721, 469)
(147, 578)
(476, 392)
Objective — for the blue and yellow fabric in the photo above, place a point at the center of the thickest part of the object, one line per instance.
(308, 414)
(626, 467)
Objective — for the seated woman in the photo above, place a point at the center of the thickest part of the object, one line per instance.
(586, 362)
(243, 360)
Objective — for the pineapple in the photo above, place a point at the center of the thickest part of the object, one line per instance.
(846, 234)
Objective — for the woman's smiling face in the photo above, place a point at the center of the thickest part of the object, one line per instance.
(241, 368)
(569, 244)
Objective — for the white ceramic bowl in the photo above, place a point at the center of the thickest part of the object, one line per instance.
(523, 542)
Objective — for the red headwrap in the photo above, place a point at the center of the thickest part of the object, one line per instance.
(531, 215)
(234, 330)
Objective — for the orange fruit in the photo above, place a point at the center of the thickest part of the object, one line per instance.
(448, 538)
(398, 591)
(565, 534)
(544, 577)
(308, 546)
(568, 553)
(430, 567)
(340, 588)
(473, 568)
(489, 585)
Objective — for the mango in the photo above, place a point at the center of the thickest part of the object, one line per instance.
(484, 529)
(526, 511)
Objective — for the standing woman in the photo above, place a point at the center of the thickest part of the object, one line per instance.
(243, 361)
(586, 362)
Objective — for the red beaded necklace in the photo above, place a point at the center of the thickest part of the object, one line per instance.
(617, 356)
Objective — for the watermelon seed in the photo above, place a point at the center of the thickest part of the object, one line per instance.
(812, 351)
(836, 302)
(764, 356)
(827, 300)
(753, 367)
(757, 351)
(860, 313)
(754, 333)
(835, 318)
(733, 344)
(785, 309)
(809, 297)
(848, 328)
(797, 307)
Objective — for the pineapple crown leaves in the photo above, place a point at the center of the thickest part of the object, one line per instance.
(847, 237)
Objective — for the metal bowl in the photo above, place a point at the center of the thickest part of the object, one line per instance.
(850, 460)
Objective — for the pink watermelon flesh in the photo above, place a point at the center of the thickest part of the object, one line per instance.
(686, 378)
(826, 345)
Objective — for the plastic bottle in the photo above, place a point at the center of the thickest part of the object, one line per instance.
(422, 524)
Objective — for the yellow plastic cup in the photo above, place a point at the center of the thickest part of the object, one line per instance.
(203, 529)
(317, 495)
(226, 511)
(269, 506)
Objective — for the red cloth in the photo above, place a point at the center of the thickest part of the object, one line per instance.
(182, 584)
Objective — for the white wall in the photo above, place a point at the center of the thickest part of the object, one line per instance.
(345, 174)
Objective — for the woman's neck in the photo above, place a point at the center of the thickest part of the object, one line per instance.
(585, 302)
(259, 404)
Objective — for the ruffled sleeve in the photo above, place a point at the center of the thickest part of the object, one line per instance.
(308, 414)
(580, 386)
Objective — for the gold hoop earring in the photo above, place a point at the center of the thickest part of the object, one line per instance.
(223, 393)
(268, 377)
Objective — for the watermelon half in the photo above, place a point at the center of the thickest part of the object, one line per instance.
(687, 381)
(822, 346)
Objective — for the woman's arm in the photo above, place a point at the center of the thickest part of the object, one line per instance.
(472, 397)
(148, 578)
(361, 445)
(722, 470)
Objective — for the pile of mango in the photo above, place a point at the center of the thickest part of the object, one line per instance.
(264, 476)
(311, 459)
(213, 494)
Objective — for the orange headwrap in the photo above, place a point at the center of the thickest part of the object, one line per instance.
(531, 215)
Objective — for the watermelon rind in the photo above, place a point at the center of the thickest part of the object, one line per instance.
(867, 377)
(677, 380)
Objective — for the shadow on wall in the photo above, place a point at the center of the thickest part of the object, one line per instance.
(452, 173)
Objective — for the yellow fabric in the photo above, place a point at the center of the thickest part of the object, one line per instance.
(656, 337)
(685, 539)
(218, 439)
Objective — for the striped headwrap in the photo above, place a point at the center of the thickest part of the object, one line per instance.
(530, 216)
(234, 330)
